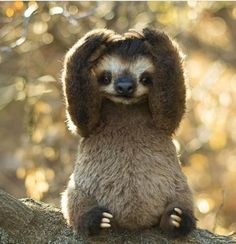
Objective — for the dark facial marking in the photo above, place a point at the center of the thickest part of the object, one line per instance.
(105, 78)
(146, 78)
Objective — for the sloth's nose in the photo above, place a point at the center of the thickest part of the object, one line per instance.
(125, 86)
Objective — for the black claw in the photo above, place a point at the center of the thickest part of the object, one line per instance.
(89, 223)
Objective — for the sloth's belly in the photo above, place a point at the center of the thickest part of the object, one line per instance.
(135, 200)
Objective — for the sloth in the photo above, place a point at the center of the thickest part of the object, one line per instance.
(125, 97)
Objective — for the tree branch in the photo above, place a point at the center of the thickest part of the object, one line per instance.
(29, 221)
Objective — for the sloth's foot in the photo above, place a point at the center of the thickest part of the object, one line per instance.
(177, 221)
(94, 220)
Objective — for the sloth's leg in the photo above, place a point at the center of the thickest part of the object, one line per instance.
(177, 220)
(92, 221)
(82, 212)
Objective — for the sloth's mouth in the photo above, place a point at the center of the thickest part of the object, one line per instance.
(125, 96)
(125, 99)
(130, 97)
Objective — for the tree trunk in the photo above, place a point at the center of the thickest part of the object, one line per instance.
(28, 221)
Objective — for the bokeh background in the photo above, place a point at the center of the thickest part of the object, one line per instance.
(36, 150)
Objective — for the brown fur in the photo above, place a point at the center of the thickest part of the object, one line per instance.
(127, 162)
(82, 98)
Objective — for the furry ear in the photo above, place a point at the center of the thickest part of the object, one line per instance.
(167, 97)
(80, 87)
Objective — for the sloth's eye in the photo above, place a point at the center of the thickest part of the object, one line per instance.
(105, 78)
(146, 79)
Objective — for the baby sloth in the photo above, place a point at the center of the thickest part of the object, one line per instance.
(125, 95)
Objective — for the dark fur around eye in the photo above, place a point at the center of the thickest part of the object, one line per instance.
(105, 78)
(146, 79)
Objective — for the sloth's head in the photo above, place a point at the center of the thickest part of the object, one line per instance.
(125, 73)
(131, 68)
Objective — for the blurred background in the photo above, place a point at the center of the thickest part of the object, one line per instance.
(36, 150)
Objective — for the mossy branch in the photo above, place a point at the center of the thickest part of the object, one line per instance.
(29, 221)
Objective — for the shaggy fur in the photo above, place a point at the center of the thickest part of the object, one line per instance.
(127, 163)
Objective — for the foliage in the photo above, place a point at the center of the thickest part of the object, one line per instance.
(37, 151)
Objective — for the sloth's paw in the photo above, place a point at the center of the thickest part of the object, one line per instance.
(177, 221)
(94, 220)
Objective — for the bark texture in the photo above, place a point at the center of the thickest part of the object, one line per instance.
(29, 221)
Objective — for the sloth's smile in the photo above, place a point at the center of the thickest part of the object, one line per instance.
(125, 96)
(125, 99)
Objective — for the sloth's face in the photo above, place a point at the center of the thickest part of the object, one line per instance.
(124, 81)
